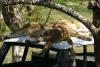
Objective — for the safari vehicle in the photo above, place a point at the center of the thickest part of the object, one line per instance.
(63, 58)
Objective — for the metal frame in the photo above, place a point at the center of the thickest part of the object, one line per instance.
(5, 48)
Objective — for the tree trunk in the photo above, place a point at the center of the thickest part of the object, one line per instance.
(95, 6)
(13, 23)
(97, 52)
(9, 18)
(96, 22)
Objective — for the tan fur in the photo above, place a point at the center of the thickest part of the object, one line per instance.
(31, 29)
(58, 31)
(53, 32)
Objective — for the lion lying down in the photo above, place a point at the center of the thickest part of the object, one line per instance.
(61, 30)
(51, 32)
(55, 32)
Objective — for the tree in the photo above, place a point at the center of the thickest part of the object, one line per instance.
(13, 22)
(95, 6)
(93, 27)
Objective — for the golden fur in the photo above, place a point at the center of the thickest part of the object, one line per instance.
(51, 32)
(58, 31)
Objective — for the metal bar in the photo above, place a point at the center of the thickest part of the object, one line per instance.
(30, 45)
(85, 56)
(25, 52)
(24, 44)
(3, 52)
(88, 54)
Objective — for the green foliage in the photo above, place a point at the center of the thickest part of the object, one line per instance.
(40, 14)
(81, 7)
(2, 27)
(78, 0)
(78, 6)
(61, 1)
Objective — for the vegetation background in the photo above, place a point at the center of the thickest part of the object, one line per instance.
(40, 16)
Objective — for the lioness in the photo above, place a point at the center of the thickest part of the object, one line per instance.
(51, 32)
(56, 32)
(59, 31)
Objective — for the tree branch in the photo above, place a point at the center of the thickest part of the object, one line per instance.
(60, 7)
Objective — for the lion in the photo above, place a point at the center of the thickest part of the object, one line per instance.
(59, 31)
(50, 32)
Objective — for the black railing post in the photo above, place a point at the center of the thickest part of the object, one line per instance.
(25, 51)
(3, 52)
(84, 55)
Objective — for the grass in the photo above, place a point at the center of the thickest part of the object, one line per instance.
(8, 58)
(90, 48)
(80, 7)
(56, 15)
